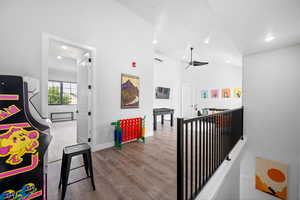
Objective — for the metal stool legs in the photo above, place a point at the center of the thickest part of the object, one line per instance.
(65, 177)
(65, 170)
(89, 156)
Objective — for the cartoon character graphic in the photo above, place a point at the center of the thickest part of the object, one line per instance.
(16, 142)
(8, 195)
(25, 191)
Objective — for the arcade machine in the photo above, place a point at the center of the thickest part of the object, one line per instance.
(23, 144)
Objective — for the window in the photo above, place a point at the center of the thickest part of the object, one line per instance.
(69, 93)
(62, 93)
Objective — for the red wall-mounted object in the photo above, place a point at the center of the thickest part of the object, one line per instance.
(133, 64)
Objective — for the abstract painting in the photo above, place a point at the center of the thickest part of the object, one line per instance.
(271, 177)
(226, 93)
(237, 93)
(214, 93)
(130, 89)
(204, 94)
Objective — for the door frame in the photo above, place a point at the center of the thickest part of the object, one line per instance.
(182, 106)
(46, 37)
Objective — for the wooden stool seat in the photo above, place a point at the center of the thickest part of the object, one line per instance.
(69, 152)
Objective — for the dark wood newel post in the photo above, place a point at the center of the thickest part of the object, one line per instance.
(180, 159)
(242, 123)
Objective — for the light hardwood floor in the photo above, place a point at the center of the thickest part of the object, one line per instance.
(137, 172)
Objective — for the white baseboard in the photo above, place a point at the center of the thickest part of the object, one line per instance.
(150, 133)
(99, 147)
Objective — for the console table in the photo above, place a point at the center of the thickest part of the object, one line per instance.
(162, 112)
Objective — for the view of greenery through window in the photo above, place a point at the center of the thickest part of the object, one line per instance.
(62, 93)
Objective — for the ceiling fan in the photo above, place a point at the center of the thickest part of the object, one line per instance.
(194, 62)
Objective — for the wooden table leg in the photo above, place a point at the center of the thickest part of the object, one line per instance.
(154, 122)
(162, 119)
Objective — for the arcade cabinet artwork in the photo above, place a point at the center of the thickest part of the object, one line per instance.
(23, 144)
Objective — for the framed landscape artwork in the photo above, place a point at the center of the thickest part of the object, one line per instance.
(271, 177)
(130, 91)
(226, 93)
(214, 93)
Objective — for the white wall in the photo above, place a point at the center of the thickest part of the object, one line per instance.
(214, 76)
(118, 35)
(271, 100)
(230, 189)
(167, 74)
(59, 75)
(172, 74)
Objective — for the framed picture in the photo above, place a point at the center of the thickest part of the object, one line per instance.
(130, 91)
(226, 93)
(204, 94)
(237, 92)
(214, 93)
(272, 177)
(162, 93)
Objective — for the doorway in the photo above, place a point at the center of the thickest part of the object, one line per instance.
(187, 106)
(69, 94)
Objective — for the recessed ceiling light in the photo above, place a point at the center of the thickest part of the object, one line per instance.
(87, 54)
(59, 57)
(64, 47)
(227, 61)
(154, 41)
(269, 38)
(183, 57)
(207, 40)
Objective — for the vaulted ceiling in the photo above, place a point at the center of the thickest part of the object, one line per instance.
(249, 21)
(233, 27)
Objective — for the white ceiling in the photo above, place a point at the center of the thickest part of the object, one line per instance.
(70, 55)
(249, 21)
(235, 27)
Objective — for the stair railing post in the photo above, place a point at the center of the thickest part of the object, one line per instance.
(180, 162)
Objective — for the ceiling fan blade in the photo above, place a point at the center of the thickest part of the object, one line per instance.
(193, 62)
(188, 66)
(198, 63)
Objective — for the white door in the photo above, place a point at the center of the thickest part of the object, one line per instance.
(186, 101)
(84, 96)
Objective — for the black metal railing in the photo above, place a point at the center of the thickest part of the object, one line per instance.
(203, 143)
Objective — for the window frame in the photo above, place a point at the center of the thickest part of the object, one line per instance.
(61, 92)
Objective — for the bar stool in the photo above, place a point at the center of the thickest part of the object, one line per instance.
(69, 152)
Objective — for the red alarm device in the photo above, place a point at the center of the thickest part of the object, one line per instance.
(133, 64)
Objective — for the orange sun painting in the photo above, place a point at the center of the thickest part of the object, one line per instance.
(271, 177)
